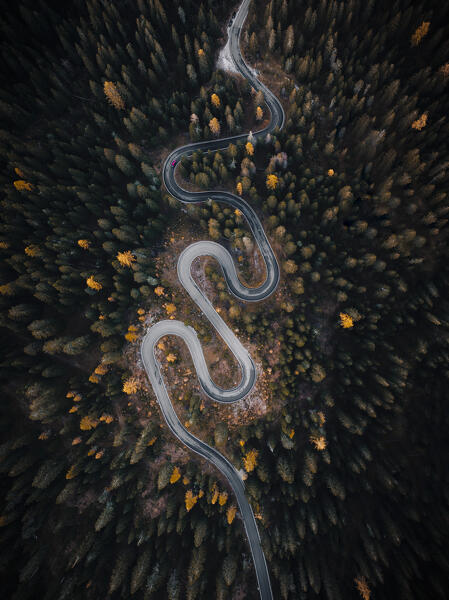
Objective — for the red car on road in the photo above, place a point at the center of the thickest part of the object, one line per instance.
(173, 163)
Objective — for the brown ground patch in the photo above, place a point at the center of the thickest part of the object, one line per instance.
(180, 376)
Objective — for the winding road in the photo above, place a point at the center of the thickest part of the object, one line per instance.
(188, 334)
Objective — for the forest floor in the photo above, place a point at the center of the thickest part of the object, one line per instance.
(177, 366)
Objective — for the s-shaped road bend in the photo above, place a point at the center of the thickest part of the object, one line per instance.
(188, 334)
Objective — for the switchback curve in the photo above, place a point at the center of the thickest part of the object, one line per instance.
(188, 334)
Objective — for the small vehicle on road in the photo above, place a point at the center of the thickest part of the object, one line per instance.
(173, 163)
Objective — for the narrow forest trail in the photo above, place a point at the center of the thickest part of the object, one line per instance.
(188, 334)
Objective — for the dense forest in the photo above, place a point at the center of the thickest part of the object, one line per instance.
(345, 469)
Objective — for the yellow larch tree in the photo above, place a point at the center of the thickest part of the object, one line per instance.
(215, 496)
(259, 114)
(6, 289)
(71, 473)
(22, 185)
(159, 290)
(290, 266)
(88, 423)
(420, 123)
(105, 418)
(239, 188)
(249, 148)
(32, 250)
(230, 515)
(126, 258)
(113, 95)
(171, 358)
(190, 500)
(84, 244)
(131, 335)
(131, 385)
(170, 308)
(175, 476)
(346, 321)
(362, 587)
(101, 370)
(272, 181)
(214, 126)
(250, 460)
(93, 284)
(215, 100)
(319, 441)
(222, 498)
(420, 33)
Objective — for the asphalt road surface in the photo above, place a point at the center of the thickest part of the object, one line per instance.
(188, 334)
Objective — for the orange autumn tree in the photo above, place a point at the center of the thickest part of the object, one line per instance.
(319, 441)
(22, 185)
(32, 250)
(131, 386)
(239, 188)
(126, 259)
(88, 423)
(170, 308)
(93, 284)
(71, 473)
(420, 33)
(249, 149)
(215, 495)
(362, 587)
(113, 95)
(190, 500)
(420, 123)
(214, 126)
(250, 460)
(175, 475)
(222, 498)
(215, 100)
(272, 181)
(84, 244)
(259, 114)
(230, 515)
(131, 335)
(346, 321)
